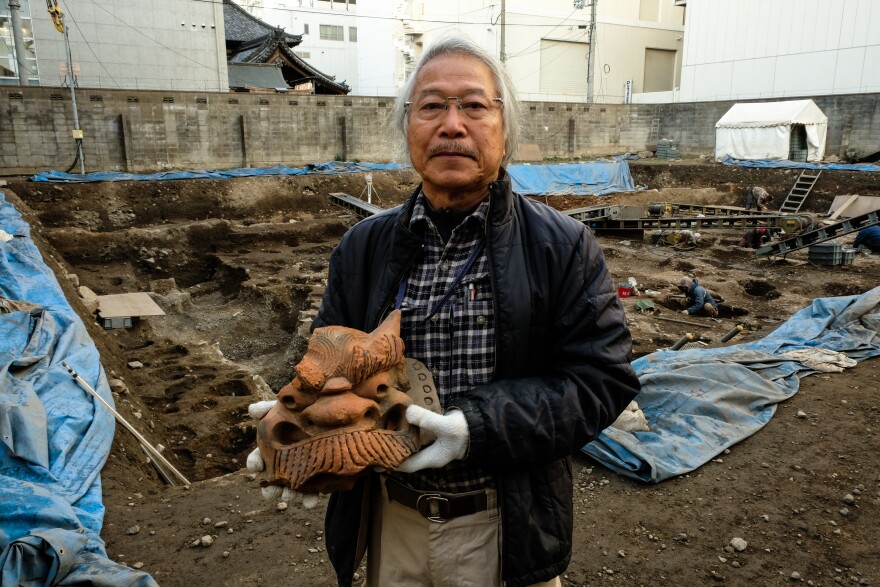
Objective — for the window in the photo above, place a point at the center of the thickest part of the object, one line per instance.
(563, 67)
(330, 32)
(8, 64)
(352, 34)
(659, 70)
(303, 54)
(306, 28)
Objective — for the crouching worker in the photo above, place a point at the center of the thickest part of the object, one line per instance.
(755, 238)
(758, 198)
(699, 300)
(868, 239)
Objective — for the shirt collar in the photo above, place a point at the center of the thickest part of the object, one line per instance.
(420, 217)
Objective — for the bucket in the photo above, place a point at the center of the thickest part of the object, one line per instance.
(624, 292)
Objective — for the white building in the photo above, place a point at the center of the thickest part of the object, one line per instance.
(132, 44)
(545, 44)
(780, 48)
(329, 28)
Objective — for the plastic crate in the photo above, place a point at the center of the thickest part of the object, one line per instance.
(827, 254)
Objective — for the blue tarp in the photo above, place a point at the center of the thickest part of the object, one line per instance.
(799, 164)
(54, 437)
(333, 167)
(699, 402)
(595, 178)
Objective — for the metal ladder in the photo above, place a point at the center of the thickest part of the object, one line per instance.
(799, 191)
(654, 132)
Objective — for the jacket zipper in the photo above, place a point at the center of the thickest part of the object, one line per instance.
(492, 276)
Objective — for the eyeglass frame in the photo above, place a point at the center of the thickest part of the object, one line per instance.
(406, 105)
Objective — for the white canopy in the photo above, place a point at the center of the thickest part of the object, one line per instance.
(762, 130)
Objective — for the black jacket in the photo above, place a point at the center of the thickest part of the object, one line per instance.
(562, 370)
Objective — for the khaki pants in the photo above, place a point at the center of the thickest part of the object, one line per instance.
(406, 550)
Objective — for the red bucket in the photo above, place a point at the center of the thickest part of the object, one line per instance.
(624, 292)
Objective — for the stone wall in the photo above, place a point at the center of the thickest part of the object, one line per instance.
(146, 131)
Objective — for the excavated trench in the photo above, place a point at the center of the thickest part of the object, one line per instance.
(239, 267)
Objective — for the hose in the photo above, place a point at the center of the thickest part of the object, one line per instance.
(75, 158)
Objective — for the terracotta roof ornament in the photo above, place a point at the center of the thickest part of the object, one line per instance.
(344, 411)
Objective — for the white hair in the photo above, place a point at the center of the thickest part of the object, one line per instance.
(458, 45)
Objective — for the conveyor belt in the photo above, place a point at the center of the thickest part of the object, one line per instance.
(593, 213)
(789, 222)
(359, 207)
(819, 235)
(674, 208)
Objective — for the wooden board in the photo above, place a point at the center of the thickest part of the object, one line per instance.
(862, 205)
(133, 305)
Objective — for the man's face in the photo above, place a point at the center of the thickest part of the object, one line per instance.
(456, 156)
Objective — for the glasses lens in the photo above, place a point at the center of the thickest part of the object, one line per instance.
(474, 107)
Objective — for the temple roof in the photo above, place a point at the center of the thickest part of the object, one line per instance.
(250, 40)
(255, 75)
(242, 26)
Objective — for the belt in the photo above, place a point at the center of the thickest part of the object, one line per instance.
(434, 505)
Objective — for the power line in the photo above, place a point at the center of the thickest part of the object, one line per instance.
(395, 18)
(146, 36)
(86, 41)
(232, 76)
(523, 52)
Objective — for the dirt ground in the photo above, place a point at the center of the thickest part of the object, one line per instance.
(248, 262)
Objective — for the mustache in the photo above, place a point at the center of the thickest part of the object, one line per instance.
(452, 147)
(344, 454)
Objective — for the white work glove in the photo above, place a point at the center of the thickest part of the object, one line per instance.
(255, 464)
(452, 435)
(685, 312)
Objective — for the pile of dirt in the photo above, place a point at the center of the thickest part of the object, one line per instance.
(239, 267)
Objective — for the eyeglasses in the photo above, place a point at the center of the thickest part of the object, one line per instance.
(432, 107)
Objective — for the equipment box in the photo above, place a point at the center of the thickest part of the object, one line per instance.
(830, 254)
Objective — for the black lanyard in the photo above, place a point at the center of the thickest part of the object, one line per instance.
(455, 283)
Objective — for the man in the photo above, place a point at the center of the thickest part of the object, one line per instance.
(755, 238)
(510, 305)
(758, 197)
(868, 239)
(698, 298)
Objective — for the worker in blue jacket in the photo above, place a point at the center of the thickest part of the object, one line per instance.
(699, 300)
(869, 238)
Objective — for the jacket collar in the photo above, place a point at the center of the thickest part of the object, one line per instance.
(501, 204)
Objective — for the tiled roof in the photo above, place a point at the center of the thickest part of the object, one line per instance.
(250, 40)
(258, 75)
(242, 27)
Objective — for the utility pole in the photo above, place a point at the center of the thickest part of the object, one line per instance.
(591, 58)
(18, 41)
(58, 21)
(502, 21)
(77, 131)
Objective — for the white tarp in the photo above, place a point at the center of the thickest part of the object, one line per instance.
(762, 130)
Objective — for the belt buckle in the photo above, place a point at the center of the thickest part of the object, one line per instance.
(423, 506)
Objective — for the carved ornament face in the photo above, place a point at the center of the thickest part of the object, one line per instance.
(342, 413)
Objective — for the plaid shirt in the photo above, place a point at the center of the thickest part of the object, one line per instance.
(458, 342)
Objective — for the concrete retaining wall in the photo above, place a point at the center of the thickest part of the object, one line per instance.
(144, 131)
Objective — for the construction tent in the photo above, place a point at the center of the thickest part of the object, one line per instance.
(793, 130)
